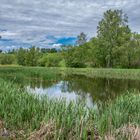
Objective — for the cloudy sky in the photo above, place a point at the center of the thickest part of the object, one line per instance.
(49, 23)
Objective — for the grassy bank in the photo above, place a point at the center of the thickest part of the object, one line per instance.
(21, 73)
(23, 112)
(133, 74)
(52, 73)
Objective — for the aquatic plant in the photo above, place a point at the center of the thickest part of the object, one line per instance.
(20, 110)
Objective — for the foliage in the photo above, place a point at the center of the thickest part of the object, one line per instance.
(113, 32)
(7, 59)
(115, 45)
(32, 56)
(28, 57)
(51, 59)
(44, 50)
(21, 56)
(81, 39)
(75, 57)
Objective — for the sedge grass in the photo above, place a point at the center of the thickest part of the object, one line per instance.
(124, 110)
(23, 111)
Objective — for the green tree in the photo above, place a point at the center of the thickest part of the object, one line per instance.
(0, 49)
(7, 59)
(51, 60)
(75, 56)
(112, 32)
(21, 56)
(81, 39)
(134, 51)
(32, 56)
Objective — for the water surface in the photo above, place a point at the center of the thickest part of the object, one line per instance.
(92, 90)
(73, 88)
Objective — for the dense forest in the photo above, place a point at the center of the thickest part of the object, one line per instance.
(115, 46)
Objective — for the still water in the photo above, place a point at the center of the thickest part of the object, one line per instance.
(92, 90)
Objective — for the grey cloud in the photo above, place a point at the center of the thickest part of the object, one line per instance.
(30, 21)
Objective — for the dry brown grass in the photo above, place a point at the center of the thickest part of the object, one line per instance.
(1, 124)
(129, 132)
(6, 134)
(46, 131)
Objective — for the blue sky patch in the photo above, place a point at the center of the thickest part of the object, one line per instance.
(67, 41)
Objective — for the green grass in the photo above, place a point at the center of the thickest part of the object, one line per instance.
(133, 74)
(51, 73)
(23, 111)
(124, 110)
(22, 73)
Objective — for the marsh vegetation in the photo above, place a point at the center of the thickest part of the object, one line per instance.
(55, 118)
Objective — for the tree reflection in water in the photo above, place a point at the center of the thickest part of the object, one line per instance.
(89, 89)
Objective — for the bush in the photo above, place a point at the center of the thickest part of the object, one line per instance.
(7, 59)
(51, 60)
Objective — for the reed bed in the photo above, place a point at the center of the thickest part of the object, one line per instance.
(123, 111)
(20, 110)
(23, 111)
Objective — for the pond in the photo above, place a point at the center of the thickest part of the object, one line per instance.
(72, 88)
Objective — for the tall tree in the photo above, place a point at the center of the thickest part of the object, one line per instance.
(0, 49)
(81, 39)
(112, 32)
(32, 56)
(21, 56)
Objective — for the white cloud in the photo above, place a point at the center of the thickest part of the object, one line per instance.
(8, 34)
(57, 46)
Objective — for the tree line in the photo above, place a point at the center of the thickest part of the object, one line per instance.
(115, 46)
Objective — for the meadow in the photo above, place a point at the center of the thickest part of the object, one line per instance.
(133, 74)
(27, 116)
(54, 72)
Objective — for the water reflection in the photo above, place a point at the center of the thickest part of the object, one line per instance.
(92, 90)
(101, 89)
(60, 91)
(75, 87)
